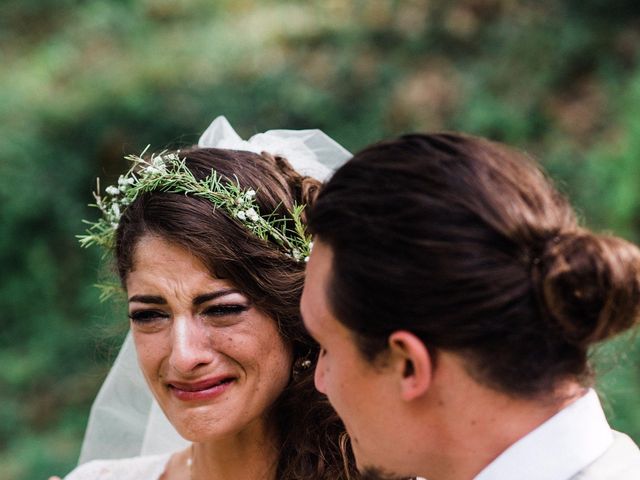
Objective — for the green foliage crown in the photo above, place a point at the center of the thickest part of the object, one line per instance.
(166, 172)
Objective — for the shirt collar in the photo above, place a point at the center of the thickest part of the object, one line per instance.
(557, 449)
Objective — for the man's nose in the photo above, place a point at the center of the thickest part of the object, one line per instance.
(318, 376)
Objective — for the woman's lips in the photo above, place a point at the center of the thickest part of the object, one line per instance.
(201, 390)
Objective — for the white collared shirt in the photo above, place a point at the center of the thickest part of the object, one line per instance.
(559, 448)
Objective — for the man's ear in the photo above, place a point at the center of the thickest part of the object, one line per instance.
(413, 362)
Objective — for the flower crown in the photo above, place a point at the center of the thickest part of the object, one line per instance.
(166, 172)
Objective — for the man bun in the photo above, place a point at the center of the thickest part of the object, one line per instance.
(590, 286)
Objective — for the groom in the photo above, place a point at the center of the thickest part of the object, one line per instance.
(432, 350)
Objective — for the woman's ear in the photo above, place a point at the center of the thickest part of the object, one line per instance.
(413, 363)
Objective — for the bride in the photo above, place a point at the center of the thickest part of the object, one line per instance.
(210, 247)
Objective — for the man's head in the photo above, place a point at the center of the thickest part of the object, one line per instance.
(429, 245)
(362, 392)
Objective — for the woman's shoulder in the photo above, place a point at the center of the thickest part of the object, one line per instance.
(143, 468)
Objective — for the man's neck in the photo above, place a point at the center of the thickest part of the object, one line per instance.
(475, 424)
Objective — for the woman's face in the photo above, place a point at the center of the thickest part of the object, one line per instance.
(213, 361)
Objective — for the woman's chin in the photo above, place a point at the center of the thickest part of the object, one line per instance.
(206, 423)
(200, 433)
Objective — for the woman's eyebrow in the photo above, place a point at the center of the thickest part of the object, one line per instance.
(148, 299)
(205, 297)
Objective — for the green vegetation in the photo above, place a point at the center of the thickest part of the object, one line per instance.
(84, 82)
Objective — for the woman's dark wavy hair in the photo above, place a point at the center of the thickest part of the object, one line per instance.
(314, 444)
(467, 244)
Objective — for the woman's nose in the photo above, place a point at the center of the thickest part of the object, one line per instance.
(191, 346)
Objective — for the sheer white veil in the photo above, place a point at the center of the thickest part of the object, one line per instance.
(125, 420)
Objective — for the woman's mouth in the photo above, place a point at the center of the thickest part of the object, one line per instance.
(201, 390)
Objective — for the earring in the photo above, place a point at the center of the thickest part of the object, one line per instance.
(300, 365)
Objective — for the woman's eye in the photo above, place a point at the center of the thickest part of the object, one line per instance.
(222, 310)
(146, 316)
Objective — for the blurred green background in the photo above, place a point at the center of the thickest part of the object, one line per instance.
(84, 82)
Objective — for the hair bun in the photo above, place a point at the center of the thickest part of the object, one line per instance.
(309, 189)
(304, 189)
(590, 285)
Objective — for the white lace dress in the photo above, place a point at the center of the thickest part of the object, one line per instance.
(137, 468)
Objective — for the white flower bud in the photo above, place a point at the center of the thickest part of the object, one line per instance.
(158, 163)
(111, 190)
(241, 215)
(252, 215)
(250, 193)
